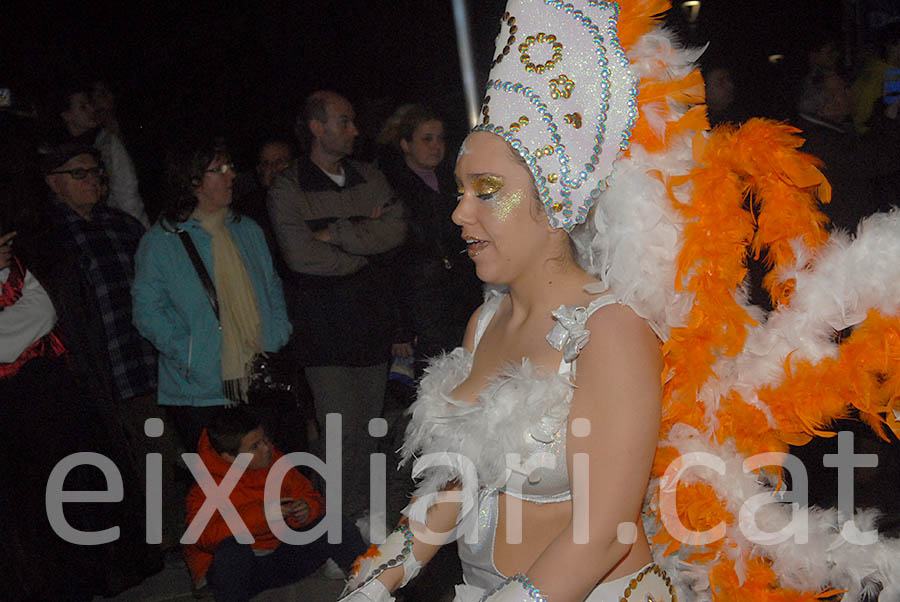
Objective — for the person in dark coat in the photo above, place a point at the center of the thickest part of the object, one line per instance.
(430, 267)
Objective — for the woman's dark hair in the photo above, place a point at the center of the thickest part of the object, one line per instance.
(415, 116)
(538, 210)
(185, 167)
(402, 125)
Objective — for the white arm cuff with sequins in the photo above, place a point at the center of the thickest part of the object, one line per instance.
(395, 551)
(374, 591)
(517, 588)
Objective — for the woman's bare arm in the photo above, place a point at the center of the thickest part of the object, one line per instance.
(619, 394)
(428, 538)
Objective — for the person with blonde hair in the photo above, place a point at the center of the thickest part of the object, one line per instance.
(430, 266)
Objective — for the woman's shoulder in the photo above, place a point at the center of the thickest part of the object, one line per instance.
(609, 313)
(619, 317)
(242, 221)
(595, 309)
(616, 317)
(243, 225)
(160, 232)
(582, 300)
(600, 303)
(160, 246)
(619, 332)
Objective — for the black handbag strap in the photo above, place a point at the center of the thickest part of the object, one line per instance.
(208, 285)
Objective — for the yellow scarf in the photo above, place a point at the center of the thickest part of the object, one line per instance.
(238, 308)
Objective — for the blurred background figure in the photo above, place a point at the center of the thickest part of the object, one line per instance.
(871, 105)
(719, 95)
(296, 427)
(250, 189)
(428, 270)
(274, 157)
(876, 116)
(823, 113)
(74, 107)
(430, 267)
(104, 102)
(863, 170)
(824, 97)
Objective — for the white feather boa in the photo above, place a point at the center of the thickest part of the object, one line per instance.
(632, 244)
(455, 436)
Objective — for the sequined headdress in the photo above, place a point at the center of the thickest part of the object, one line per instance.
(561, 92)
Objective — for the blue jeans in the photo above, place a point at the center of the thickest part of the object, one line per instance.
(237, 574)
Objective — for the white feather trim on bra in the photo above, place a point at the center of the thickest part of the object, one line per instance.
(520, 407)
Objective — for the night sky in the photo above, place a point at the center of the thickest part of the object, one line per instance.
(241, 69)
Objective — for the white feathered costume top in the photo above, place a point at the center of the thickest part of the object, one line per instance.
(513, 438)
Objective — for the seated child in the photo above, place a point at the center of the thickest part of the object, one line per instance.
(237, 571)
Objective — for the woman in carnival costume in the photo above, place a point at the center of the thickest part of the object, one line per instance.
(536, 441)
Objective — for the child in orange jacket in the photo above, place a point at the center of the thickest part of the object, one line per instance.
(237, 571)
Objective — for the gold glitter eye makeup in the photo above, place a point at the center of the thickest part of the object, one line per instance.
(506, 205)
(487, 185)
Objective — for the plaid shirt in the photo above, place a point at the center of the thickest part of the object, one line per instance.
(106, 246)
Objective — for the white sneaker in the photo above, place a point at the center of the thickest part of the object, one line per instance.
(332, 571)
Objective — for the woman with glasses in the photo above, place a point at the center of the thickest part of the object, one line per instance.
(206, 293)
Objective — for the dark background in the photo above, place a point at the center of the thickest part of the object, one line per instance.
(240, 70)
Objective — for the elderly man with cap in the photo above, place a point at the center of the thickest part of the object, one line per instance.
(95, 244)
(84, 256)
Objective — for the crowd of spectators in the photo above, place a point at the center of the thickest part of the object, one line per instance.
(344, 267)
(110, 322)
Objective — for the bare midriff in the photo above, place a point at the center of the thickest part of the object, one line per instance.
(541, 525)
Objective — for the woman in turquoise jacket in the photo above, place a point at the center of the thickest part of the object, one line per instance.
(206, 354)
